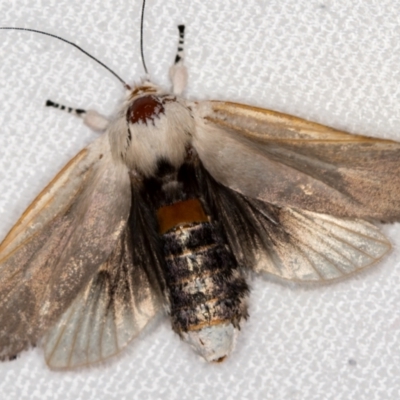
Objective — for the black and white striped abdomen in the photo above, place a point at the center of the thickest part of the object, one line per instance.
(205, 284)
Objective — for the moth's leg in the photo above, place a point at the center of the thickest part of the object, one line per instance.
(91, 118)
(178, 72)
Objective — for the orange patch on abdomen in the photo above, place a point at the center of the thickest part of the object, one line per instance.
(180, 213)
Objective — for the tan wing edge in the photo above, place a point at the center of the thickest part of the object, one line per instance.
(56, 197)
(43, 200)
(289, 127)
(288, 161)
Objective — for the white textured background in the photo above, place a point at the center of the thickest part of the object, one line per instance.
(334, 62)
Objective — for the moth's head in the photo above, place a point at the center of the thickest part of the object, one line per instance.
(145, 104)
(152, 125)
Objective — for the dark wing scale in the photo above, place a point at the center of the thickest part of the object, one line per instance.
(148, 253)
(113, 308)
(289, 243)
(231, 211)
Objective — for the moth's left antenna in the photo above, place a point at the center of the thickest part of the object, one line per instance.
(141, 37)
(72, 44)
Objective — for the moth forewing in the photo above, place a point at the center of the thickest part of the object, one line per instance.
(56, 196)
(48, 267)
(292, 162)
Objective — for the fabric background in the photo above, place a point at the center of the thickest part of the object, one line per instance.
(334, 62)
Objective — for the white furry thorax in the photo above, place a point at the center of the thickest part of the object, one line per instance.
(152, 125)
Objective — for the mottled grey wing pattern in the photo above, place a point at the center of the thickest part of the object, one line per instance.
(113, 308)
(59, 243)
(291, 162)
(293, 244)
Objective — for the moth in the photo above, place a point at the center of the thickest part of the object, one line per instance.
(171, 207)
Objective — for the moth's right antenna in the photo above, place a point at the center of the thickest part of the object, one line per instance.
(141, 38)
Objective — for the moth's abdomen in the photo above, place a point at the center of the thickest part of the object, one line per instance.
(206, 288)
(205, 284)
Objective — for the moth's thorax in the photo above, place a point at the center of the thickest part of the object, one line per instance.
(152, 125)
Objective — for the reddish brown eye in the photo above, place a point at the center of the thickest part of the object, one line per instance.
(145, 108)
